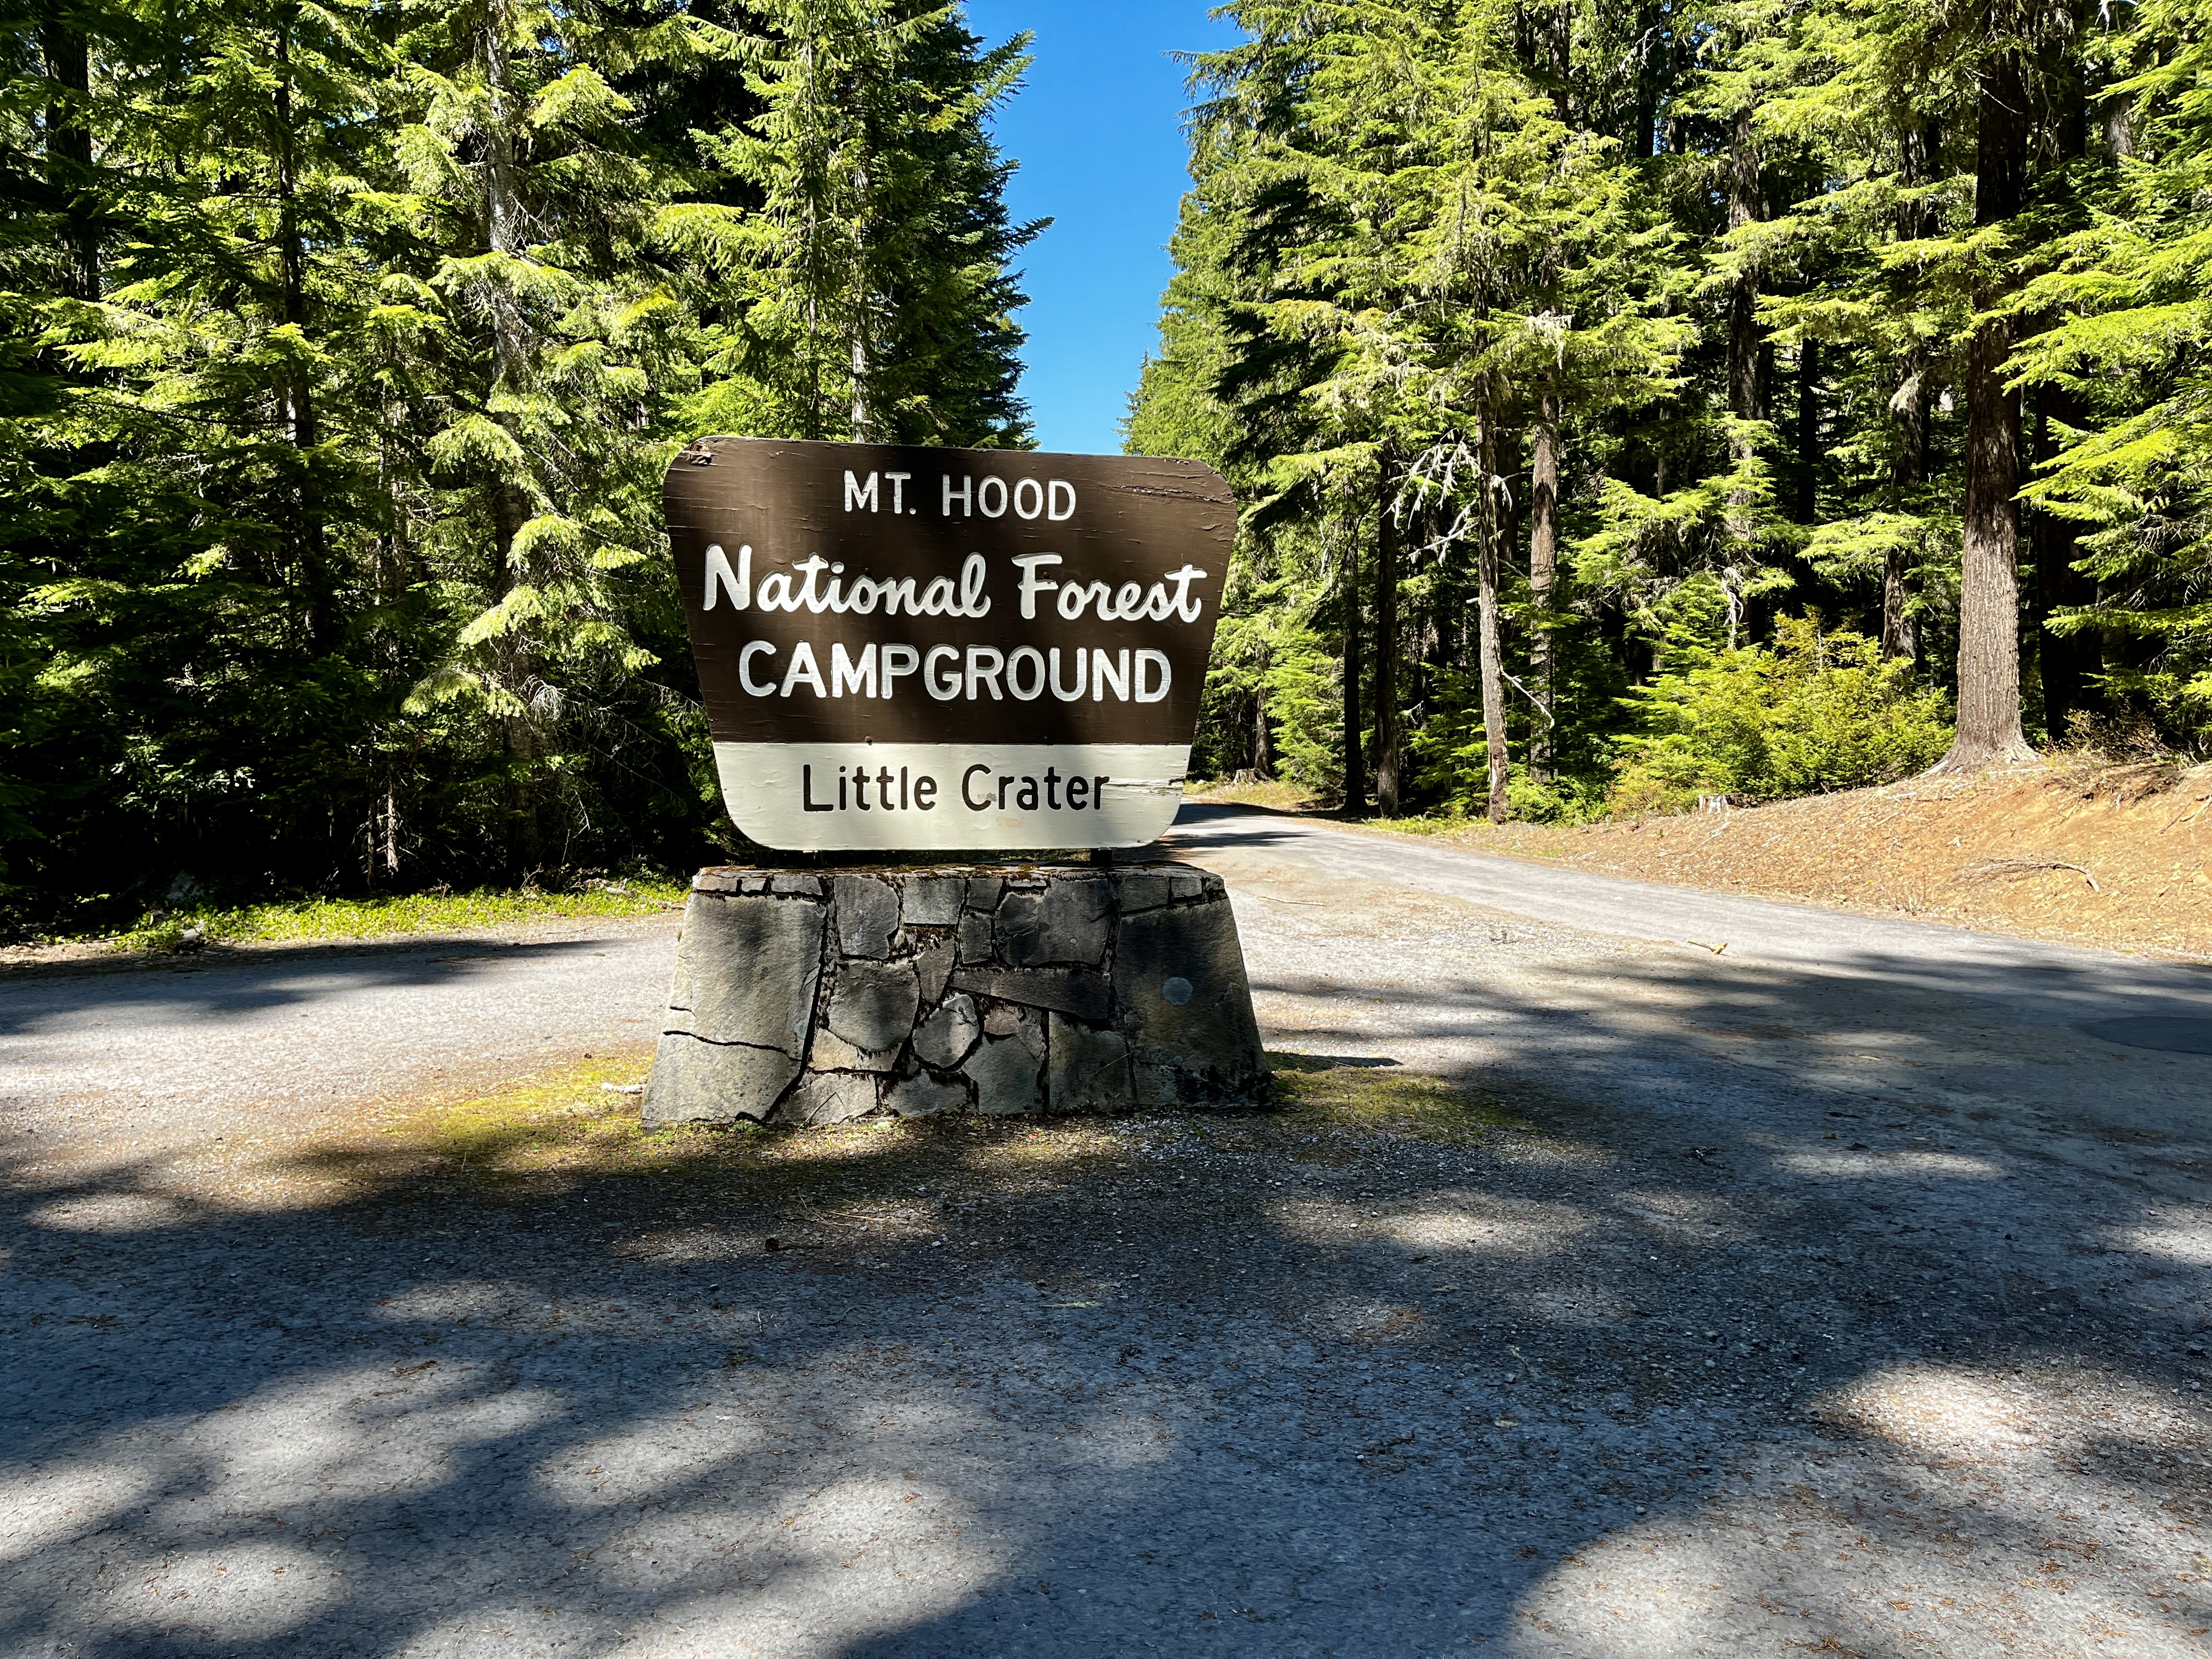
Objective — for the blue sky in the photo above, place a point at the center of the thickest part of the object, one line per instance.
(1097, 131)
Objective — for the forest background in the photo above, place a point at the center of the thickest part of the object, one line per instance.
(1632, 401)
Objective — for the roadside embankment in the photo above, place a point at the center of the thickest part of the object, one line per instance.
(2119, 856)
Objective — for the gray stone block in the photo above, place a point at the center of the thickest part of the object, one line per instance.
(1076, 989)
(1067, 922)
(828, 1097)
(695, 1082)
(1006, 1070)
(747, 969)
(1180, 989)
(1070, 990)
(1158, 1084)
(872, 1009)
(1089, 1069)
(1142, 889)
(932, 901)
(923, 1095)
(867, 912)
(944, 1038)
(975, 938)
(934, 967)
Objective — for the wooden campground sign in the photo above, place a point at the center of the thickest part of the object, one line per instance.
(947, 649)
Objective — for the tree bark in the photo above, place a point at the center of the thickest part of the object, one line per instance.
(1355, 752)
(2067, 661)
(511, 505)
(311, 537)
(1543, 575)
(1744, 403)
(1388, 742)
(1916, 153)
(1808, 430)
(1989, 731)
(1486, 573)
(68, 62)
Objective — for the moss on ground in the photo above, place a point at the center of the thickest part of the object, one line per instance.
(291, 920)
(1382, 1098)
(581, 1123)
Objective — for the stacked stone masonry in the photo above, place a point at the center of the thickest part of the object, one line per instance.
(822, 998)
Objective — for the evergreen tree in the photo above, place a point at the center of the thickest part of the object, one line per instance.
(881, 301)
(344, 350)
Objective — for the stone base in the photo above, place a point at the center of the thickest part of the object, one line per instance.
(998, 989)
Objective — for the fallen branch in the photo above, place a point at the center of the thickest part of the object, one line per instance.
(2028, 867)
(2191, 817)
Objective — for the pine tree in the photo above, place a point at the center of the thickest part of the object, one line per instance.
(880, 304)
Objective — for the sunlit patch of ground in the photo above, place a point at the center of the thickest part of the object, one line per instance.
(190, 927)
(580, 1122)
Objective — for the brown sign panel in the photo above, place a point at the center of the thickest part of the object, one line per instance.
(947, 649)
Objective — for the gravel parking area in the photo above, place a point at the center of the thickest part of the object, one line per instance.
(1841, 1297)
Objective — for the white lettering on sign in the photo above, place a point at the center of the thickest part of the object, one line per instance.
(745, 669)
(1033, 584)
(948, 795)
(779, 592)
(875, 671)
(1015, 675)
(844, 672)
(859, 494)
(736, 585)
(1030, 498)
(1153, 659)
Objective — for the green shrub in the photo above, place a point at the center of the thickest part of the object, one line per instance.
(1811, 712)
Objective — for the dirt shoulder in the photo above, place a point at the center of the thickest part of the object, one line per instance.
(2119, 856)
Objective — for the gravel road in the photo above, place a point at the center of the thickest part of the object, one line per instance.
(1844, 1291)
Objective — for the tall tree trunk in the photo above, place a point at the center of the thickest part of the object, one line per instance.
(2067, 661)
(510, 502)
(1918, 151)
(862, 425)
(1744, 192)
(1808, 430)
(68, 148)
(1543, 576)
(861, 432)
(1744, 403)
(1644, 142)
(311, 552)
(1388, 744)
(1355, 748)
(1485, 577)
(1989, 731)
(2064, 662)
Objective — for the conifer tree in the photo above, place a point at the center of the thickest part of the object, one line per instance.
(881, 300)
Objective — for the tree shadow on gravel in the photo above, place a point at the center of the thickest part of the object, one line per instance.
(227, 983)
(1382, 1371)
